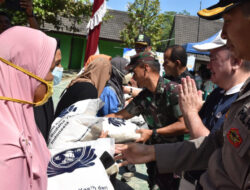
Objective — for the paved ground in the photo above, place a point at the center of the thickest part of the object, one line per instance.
(139, 181)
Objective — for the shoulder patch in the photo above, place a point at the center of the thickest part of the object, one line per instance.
(234, 137)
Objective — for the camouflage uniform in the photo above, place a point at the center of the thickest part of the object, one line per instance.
(159, 109)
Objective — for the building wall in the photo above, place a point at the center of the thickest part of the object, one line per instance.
(110, 48)
(73, 49)
(65, 47)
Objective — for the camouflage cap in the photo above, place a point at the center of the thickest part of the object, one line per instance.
(216, 11)
(143, 57)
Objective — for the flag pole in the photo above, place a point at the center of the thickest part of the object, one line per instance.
(94, 27)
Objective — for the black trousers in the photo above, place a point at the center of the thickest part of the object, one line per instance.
(163, 181)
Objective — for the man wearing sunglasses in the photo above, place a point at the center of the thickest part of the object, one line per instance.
(142, 43)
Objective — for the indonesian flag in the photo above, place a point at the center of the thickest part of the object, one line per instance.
(94, 28)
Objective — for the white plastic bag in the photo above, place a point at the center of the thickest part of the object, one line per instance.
(88, 107)
(79, 123)
(86, 128)
(74, 123)
(121, 130)
(78, 167)
(74, 129)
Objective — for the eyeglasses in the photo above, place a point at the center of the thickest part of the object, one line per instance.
(140, 48)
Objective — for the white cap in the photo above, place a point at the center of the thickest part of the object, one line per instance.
(215, 43)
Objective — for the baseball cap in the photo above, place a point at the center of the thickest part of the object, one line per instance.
(142, 39)
(143, 57)
(215, 43)
(215, 12)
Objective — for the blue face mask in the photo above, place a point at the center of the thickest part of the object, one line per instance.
(57, 73)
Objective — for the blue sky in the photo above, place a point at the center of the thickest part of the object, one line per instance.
(191, 6)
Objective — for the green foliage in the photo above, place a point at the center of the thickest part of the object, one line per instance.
(144, 18)
(52, 11)
(166, 27)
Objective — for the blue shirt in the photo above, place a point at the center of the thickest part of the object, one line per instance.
(111, 102)
(214, 109)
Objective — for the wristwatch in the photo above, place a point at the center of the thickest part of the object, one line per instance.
(154, 134)
(131, 91)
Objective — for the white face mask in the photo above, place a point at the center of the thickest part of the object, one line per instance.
(57, 73)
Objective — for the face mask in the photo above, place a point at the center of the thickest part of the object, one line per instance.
(57, 73)
(49, 85)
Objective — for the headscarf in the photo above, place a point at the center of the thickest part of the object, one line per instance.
(22, 147)
(116, 79)
(98, 73)
(92, 57)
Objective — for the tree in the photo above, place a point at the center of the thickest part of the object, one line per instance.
(52, 11)
(144, 18)
(166, 26)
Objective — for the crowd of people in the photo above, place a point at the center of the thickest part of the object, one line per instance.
(217, 155)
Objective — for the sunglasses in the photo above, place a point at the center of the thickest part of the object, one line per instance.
(140, 48)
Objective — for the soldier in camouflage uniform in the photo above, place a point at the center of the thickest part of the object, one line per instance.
(158, 104)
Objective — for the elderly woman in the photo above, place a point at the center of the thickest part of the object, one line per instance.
(26, 62)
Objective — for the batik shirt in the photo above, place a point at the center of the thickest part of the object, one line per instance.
(159, 109)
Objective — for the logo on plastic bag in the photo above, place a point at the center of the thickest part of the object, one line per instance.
(66, 111)
(116, 121)
(71, 159)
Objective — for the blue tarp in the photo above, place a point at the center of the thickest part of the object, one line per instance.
(189, 46)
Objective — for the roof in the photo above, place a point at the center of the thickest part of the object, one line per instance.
(186, 29)
(194, 29)
(109, 30)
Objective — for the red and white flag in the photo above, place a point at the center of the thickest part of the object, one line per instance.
(94, 28)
